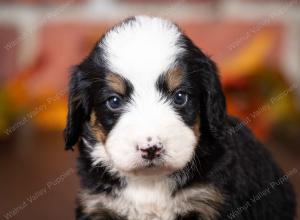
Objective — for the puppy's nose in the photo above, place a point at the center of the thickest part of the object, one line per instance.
(151, 148)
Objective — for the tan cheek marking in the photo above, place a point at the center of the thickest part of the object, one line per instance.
(174, 78)
(89, 202)
(204, 199)
(116, 83)
(97, 129)
(196, 128)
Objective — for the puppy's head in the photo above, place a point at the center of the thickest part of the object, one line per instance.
(143, 98)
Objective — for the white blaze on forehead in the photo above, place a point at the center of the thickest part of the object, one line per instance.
(142, 49)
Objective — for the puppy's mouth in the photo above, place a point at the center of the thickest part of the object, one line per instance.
(153, 167)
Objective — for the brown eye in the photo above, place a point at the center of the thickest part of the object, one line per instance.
(114, 103)
(180, 98)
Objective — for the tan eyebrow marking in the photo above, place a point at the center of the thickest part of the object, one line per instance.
(174, 78)
(116, 83)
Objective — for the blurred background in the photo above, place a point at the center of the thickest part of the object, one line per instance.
(256, 45)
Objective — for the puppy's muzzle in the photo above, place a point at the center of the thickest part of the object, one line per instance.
(151, 148)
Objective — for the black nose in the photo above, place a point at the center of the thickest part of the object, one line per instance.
(150, 153)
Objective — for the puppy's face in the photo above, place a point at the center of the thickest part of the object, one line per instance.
(147, 124)
(138, 92)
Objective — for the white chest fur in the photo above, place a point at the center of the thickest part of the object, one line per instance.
(148, 199)
(152, 200)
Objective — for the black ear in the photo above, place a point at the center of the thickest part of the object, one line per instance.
(213, 110)
(78, 107)
(206, 81)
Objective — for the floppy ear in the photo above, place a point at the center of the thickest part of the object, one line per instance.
(213, 105)
(206, 81)
(78, 107)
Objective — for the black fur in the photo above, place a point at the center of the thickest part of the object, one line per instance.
(188, 216)
(234, 162)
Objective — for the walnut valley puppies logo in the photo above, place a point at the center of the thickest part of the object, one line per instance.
(48, 187)
(42, 21)
(262, 194)
(263, 109)
(269, 19)
(36, 111)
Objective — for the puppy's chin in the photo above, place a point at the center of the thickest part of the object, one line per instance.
(151, 171)
(145, 169)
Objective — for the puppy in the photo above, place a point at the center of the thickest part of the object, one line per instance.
(148, 113)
